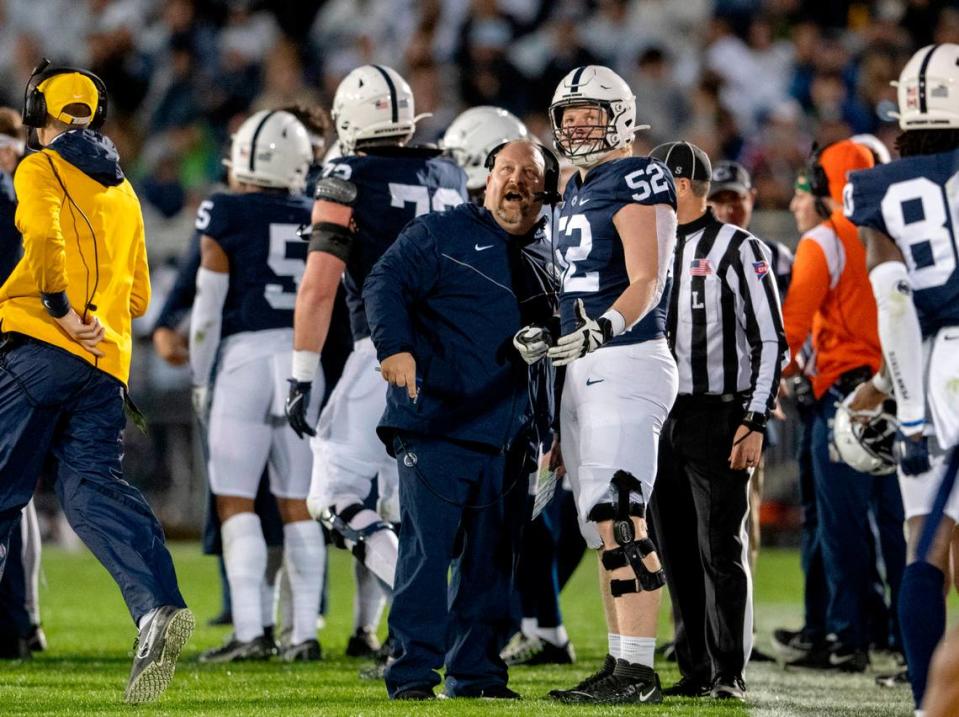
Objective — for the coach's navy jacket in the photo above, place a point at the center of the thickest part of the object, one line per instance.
(453, 290)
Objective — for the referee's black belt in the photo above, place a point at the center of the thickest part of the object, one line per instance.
(706, 400)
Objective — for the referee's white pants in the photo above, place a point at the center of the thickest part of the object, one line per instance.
(615, 401)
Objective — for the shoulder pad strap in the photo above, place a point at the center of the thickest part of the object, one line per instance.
(334, 189)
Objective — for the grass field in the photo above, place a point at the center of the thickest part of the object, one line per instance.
(90, 634)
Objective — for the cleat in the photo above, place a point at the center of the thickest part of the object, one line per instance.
(224, 618)
(795, 644)
(362, 643)
(847, 659)
(36, 639)
(729, 688)
(306, 651)
(156, 651)
(689, 687)
(893, 679)
(259, 648)
(601, 674)
(415, 693)
(628, 684)
(15, 648)
(535, 651)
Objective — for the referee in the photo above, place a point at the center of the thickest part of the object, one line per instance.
(725, 329)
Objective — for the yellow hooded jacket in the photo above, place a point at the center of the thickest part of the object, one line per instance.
(90, 244)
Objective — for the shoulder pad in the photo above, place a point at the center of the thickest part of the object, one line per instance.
(334, 189)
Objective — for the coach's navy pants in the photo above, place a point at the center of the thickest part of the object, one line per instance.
(858, 513)
(462, 619)
(52, 402)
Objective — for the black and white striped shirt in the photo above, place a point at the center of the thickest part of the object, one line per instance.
(725, 322)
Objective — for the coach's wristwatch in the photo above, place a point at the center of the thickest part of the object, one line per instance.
(754, 420)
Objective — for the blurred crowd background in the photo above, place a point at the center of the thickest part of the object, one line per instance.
(757, 81)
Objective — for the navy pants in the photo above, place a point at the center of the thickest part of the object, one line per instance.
(815, 594)
(14, 618)
(461, 619)
(856, 512)
(52, 402)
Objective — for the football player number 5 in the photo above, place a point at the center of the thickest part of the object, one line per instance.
(280, 296)
(916, 212)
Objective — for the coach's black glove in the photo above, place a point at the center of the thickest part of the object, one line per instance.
(912, 454)
(297, 401)
(589, 335)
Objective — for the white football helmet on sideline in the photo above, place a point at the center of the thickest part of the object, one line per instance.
(372, 104)
(594, 85)
(864, 440)
(871, 142)
(928, 89)
(474, 134)
(272, 149)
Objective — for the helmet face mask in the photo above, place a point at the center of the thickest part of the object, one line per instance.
(593, 87)
(865, 440)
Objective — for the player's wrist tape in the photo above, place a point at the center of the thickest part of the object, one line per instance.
(305, 364)
(616, 321)
(882, 382)
(57, 304)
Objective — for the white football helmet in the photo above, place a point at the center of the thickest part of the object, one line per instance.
(474, 134)
(373, 105)
(272, 149)
(594, 85)
(928, 89)
(864, 440)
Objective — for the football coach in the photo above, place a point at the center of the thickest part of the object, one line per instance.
(65, 315)
(444, 303)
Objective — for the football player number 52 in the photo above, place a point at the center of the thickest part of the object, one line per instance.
(916, 213)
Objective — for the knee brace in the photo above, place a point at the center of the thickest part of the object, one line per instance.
(372, 540)
(630, 551)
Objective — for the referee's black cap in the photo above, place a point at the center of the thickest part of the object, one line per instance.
(729, 176)
(685, 160)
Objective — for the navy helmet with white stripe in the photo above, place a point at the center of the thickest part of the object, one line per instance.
(373, 105)
(928, 89)
(593, 86)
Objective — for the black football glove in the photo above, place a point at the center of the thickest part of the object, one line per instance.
(912, 454)
(297, 402)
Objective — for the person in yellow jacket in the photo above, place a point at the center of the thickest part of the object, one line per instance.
(65, 316)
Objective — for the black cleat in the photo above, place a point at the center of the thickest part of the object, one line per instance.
(689, 687)
(415, 693)
(629, 684)
(15, 648)
(155, 653)
(535, 651)
(259, 648)
(796, 644)
(848, 659)
(605, 671)
(362, 643)
(306, 651)
(729, 688)
(36, 639)
(224, 618)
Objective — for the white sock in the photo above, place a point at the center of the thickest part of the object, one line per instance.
(141, 623)
(244, 555)
(614, 643)
(304, 553)
(369, 600)
(30, 527)
(637, 650)
(554, 635)
(527, 626)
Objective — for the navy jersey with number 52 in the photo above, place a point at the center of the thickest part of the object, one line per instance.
(915, 201)
(591, 247)
(394, 186)
(267, 258)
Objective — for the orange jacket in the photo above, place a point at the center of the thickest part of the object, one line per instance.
(830, 295)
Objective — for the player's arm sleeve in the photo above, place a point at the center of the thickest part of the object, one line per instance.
(180, 298)
(762, 317)
(40, 199)
(807, 290)
(404, 274)
(207, 318)
(141, 291)
(900, 336)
